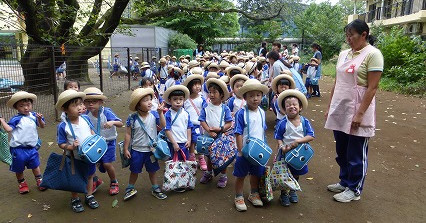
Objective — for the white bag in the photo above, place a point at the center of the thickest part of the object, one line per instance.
(179, 174)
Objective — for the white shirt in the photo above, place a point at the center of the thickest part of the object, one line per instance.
(193, 114)
(277, 68)
(213, 114)
(170, 82)
(108, 134)
(179, 129)
(238, 103)
(25, 132)
(163, 72)
(82, 130)
(256, 124)
(292, 133)
(141, 141)
(149, 73)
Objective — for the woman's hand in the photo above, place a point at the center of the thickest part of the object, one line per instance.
(356, 121)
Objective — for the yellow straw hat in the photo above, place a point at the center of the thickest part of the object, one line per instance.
(67, 95)
(237, 77)
(278, 78)
(295, 93)
(229, 69)
(19, 96)
(137, 95)
(193, 77)
(175, 88)
(94, 93)
(252, 85)
(221, 84)
(196, 70)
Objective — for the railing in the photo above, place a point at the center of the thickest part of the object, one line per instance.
(394, 10)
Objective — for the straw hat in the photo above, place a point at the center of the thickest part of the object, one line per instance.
(137, 95)
(67, 95)
(230, 56)
(288, 72)
(193, 77)
(167, 56)
(175, 88)
(228, 70)
(221, 84)
(262, 59)
(252, 85)
(94, 93)
(295, 93)
(182, 57)
(196, 70)
(174, 57)
(278, 78)
(296, 58)
(185, 61)
(193, 63)
(185, 68)
(213, 65)
(237, 77)
(146, 65)
(175, 69)
(19, 96)
(315, 61)
(207, 63)
(187, 56)
(162, 60)
(223, 64)
(212, 75)
(153, 57)
(202, 59)
(250, 66)
(225, 79)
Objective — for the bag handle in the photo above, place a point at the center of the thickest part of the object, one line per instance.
(63, 162)
(176, 156)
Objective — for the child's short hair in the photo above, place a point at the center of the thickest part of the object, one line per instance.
(291, 96)
(23, 100)
(176, 93)
(238, 80)
(192, 83)
(283, 81)
(144, 81)
(234, 72)
(259, 65)
(217, 87)
(72, 101)
(68, 82)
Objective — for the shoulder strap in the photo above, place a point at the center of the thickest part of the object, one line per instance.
(90, 124)
(177, 114)
(221, 116)
(195, 107)
(143, 127)
(70, 126)
(248, 122)
(302, 120)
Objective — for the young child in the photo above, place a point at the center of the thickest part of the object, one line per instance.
(193, 105)
(252, 91)
(223, 65)
(213, 125)
(24, 138)
(175, 73)
(72, 85)
(279, 84)
(310, 74)
(289, 133)
(231, 71)
(205, 90)
(108, 121)
(147, 82)
(71, 101)
(178, 122)
(137, 145)
(236, 102)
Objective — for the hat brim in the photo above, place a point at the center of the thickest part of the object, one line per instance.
(213, 66)
(237, 77)
(222, 85)
(68, 97)
(252, 87)
(95, 96)
(19, 96)
(137, 95)
(294, 93)
(280, 77)
(175, 88)
(193, 77)
(228, 71)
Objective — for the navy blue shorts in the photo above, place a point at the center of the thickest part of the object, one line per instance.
(308, 82)
(24, 157)
(194, 134)
(140, 159)
(295, 172)
(109, 156)
(182, 147)
(242, 167)
(92, 168)
(115, 67)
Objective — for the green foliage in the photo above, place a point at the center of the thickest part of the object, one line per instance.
(181, 41)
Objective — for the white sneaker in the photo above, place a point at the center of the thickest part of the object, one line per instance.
(255, 200)
(240, 204)
(346, 196)
(336, 188)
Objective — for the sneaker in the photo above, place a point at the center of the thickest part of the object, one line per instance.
(285, 199)
(240, 204)
(207, 177)
(293, 196)
(336, 188)
(23, 187)
(113, 189)
(39, 180)
(159, 194)
(202, 163)
(76, 205)
(346, 196)
(91, 201)
(191, 157)
(223, 180)
(179, 190)
(96, 185)
(130, 192)
(255, 199)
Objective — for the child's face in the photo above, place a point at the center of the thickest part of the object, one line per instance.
(213, 69)
(145, 104)
(93, 105)
(292, 107)
(75, 109)
(73, 86)
(253, 98)
(24, 107)
(282, 87)
(148, 84)
(215, 96)
(177, 102)
(196, 88)
(237, 85)
(234, 60)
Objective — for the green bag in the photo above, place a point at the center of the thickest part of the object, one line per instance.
(5, 155)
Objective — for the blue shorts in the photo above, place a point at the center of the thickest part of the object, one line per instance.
(295, 172)
(115, 67)
(109, 156)
(308, 82)
(194, 134)
(139, 159)
(24, 157)
(242, 167)
(182, 147)
(92, 168)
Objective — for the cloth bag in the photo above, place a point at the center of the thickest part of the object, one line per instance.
(265, 186)
(65, 173)
(124, 162)
(179, 174)
(5, 155)
(280, 176)
(222, 152)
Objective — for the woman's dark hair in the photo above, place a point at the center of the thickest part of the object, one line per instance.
(176, 93)
(316, 46)
(360, 26)
(273, 55)
(217, 87)
(68, 82)
(263, 44)
(284, 82)
(192, 83)
(72, 101)
(294, 44)
(284, 47)
(291, 96)
(277, 44)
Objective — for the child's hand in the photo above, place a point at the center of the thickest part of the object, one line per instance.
(160, 108)
(75, 144)
(176, 147)
(109, 124)
(188, 144)
(215, 129)
(39, 116)
(127, 154)
(212, 134)
(286, 148)
(294, 145)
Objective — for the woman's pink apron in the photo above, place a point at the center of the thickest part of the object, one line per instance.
(347, 98)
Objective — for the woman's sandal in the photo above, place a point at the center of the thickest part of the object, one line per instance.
(91, 201)
(76, 205)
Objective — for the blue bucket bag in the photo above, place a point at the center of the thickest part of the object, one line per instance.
(302, 154)
(205, 141)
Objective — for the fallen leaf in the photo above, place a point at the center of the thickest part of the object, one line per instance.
(49, 143)
(30, 215)
(114, 203)
(417, 165)
(309, 178)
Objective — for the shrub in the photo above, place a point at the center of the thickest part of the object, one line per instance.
(181, 41)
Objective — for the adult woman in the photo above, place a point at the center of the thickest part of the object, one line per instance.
(316, 48)
(351, 112)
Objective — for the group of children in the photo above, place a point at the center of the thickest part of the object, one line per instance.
(220, 103)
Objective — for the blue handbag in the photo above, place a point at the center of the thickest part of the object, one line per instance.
(302, 154)
(65, 173)
(256, 151)
(204, 141)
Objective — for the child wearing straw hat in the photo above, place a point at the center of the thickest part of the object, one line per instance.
(236, 101)
(252, 91)
(176, 73)
(216, 120)
(70, 102)
(137, 146)
(193, 105)
(290, 132)
(147, 82)
(24, 138)
(107, 122)
(205, 90)
(279, 84)
(310, 74)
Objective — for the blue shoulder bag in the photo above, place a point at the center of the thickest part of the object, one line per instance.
(300, 156)
(205, 141)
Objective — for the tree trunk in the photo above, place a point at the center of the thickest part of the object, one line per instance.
(37, 69)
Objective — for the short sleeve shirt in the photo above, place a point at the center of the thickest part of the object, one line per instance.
(24, 130)
(257, 123)
(140, 140)
(81, 130)
(106, 115)
(211, 114)
(180, 126)
(287, 132)
(235, 104)
(194, 113)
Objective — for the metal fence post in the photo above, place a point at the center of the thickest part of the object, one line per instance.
(128, 68)
(53, 79)
(101, 82)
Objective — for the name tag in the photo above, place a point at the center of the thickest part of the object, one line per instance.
(351, 69)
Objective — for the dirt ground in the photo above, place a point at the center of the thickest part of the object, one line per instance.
(394, 188)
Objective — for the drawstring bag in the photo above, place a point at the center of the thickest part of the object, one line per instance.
(5, 155)
(265, 186)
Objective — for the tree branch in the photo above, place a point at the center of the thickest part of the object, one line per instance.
(29, 12)
(94, 14)
(67, 19)
(158, 13)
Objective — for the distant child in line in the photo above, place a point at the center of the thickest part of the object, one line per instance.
(148, 82)
(24, 138)
(280, 84)
(236, 101)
